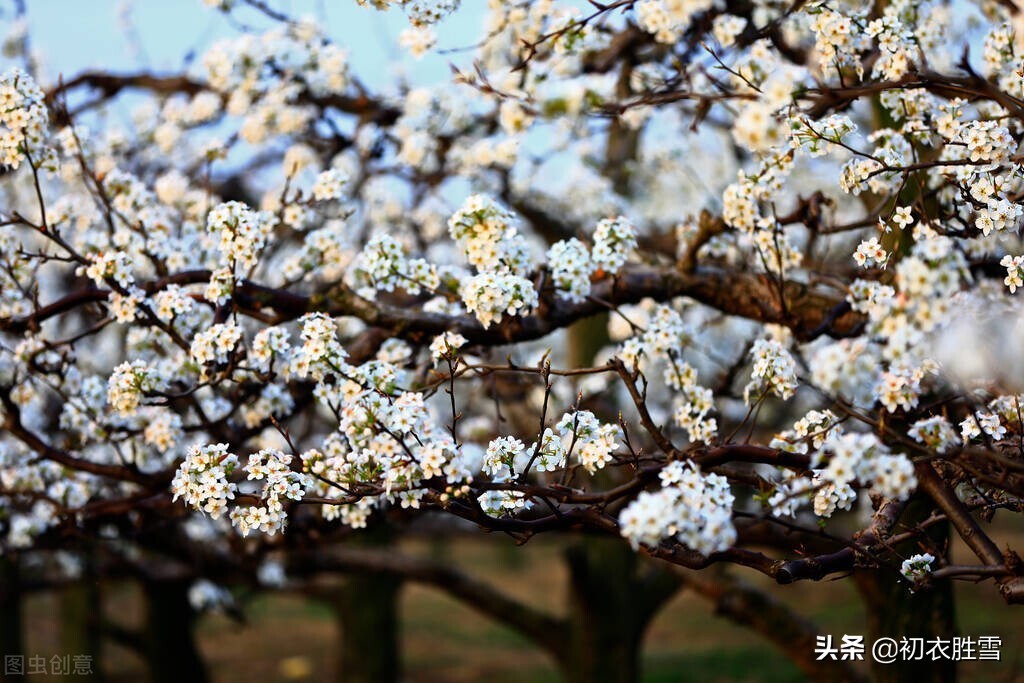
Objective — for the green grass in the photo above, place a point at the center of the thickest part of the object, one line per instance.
(724, 664)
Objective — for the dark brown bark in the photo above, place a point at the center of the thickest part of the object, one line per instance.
(171, 649)
(893, 611)
(613, 592)
(808, 311)
(613, 595)
(366, 608)
(366, 612)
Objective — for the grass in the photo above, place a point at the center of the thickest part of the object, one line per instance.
(289, 637)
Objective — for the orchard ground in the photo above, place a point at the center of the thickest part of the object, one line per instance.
(290, 637)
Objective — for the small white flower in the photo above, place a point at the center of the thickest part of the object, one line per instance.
(917, 567)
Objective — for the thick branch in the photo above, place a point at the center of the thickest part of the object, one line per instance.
(13, 424)
(1011, 587)
(746, 295)
(971, 86)
(757, 610)
(545, 631)
(843, 560)
(110, 85)
(808, 313)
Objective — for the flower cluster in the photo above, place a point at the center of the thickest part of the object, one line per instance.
(242, 232)
(383, 266)
(900, 388)
(386, 439)
(870, 253)
(614, 241)
(691, 507)
(693, 402)
(1001, 415)
(125, 307)
(551, 451)
(667, 19)
(776, 253)
(841, 463)
(487, 235)
(837, 42)
(261, 77)
(218, 291)
(986, 141)
(810, 431)
(420, 36)
(202, 478)
(936, 433)
(1014, 272)
(916, 568)
(215, 344)
(792, 491)
(129, 382)
(864, 459)
(500, 502)
(571, 269)
(818, 138)
(281, 482)
(172, 302)
(330, 184)
(321, 352)
(23, 120)
(741, 199)
(876, 173)
(269, 345)
(110, 265)
(501, 456)
(491, 295)
(446, 345)
(773, 371)
(593, 442)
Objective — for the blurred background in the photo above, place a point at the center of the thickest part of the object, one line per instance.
(418, 599)
(295, 634)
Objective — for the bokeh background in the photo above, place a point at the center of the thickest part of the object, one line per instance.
(293, 635)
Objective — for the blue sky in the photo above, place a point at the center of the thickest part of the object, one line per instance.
(78, 34)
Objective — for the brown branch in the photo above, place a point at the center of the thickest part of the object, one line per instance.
(820, 566)
(1011, 587)
(741, 294)
(110, 85)
(809, 313)
(545, 631)
(12, 423)
(970, 87)
(757, 610)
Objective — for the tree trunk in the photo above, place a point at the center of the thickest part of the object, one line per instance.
(612, 593)
(11, 632)
(366, 611)
(366, 607)
(80, 633)
(894, 612)
(623, 142)
(612, 597)
(81, 615)
(170, 624)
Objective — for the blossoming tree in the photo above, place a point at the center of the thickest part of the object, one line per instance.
(690, 274)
